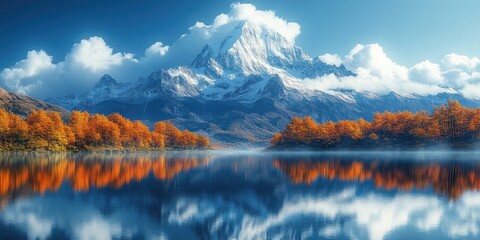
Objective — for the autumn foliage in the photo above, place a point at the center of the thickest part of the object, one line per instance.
(43, 130)
(452, 124)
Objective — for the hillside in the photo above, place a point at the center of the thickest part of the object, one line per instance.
(23, 105)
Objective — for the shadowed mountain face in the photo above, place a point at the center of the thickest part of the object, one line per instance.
(23, 105)
(243, 88)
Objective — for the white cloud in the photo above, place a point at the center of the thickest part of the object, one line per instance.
(372, 60)
(426, 72)
(243, 12)
(377, 73)
(186, 48)
(332, 59)
(247, 12)
(462, 73)
(95, 55)
(156, 49)
(455, 61)
(31, 66)
(24, 74)
(471, 91)
(84, 64)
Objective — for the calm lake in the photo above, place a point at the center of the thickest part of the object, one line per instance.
(241, 195)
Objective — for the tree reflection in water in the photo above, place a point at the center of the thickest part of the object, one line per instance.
(450, 179)
(39, 173)
(248, 195)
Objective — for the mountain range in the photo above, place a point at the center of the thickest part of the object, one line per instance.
(242, 87)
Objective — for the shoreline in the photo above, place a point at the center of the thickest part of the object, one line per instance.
(111, 151)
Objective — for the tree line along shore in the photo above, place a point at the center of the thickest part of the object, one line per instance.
(450, 125)
(47, 131)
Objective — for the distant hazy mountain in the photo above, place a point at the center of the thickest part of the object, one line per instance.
(23, 105)
(243, 89)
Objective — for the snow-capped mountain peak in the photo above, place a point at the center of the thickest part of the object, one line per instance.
(105, 81)
(251, 49)
(105, 89)
(235, 65)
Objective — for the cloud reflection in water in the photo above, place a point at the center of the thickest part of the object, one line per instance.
(240, 197)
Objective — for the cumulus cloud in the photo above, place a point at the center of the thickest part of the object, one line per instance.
(95, 55)
(471, 91)
(31, 66)
(462, 73)
(332, 59)
(454, 61)
(372, 60)
(38, 76)
(247, 12)
(426, 72)
(377, 73)
(27, 71)
(89, 59)
(185, 49)
(156, 49)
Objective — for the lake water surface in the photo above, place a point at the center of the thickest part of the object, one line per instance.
(241, 195)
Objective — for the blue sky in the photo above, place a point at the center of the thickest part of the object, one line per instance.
(51, 48)
(409, 30)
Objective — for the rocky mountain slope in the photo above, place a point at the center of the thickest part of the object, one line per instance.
(23, 105)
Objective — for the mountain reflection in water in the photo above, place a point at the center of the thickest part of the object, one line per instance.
(217, 195)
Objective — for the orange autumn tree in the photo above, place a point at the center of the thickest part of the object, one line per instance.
(47, 131)
(450, 123)
(79, 126)
(13, 130)
(165, 134)
(142, 137)
(41, 130)
(158, 135)
(103, 132)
